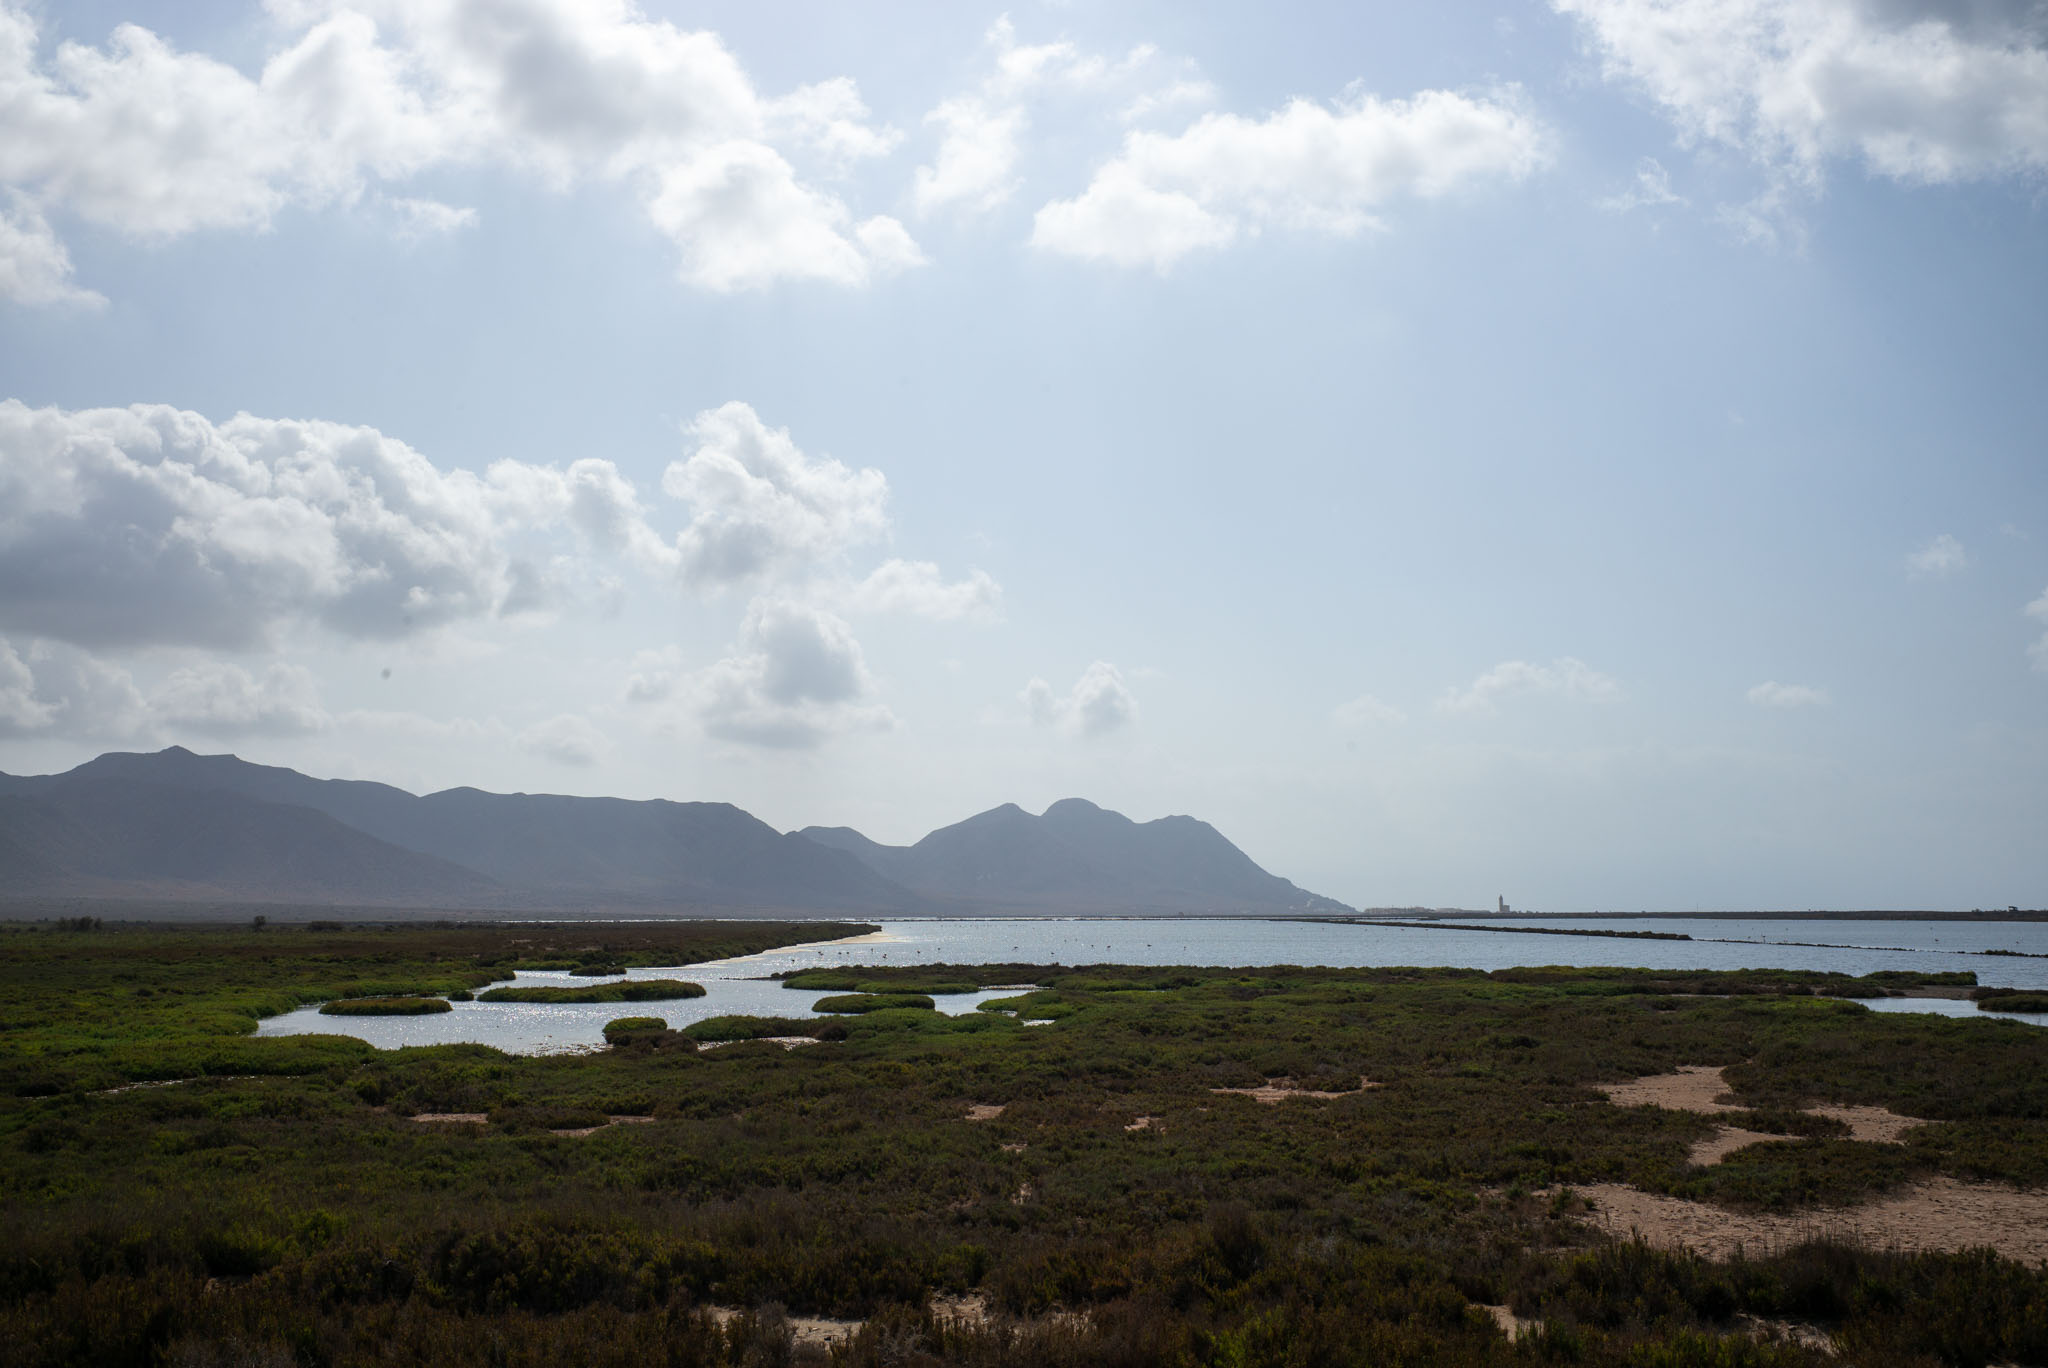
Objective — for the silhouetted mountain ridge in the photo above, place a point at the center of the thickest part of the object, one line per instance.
(175, 824)
(1077, 857)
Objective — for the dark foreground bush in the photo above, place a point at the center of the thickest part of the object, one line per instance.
(1992, 1000)
(626, 990)
(854, 1003)
(385, 1006)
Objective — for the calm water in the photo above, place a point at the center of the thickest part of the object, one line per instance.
(741, 985)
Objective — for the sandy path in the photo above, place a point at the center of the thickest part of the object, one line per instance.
(1277, 1090)
(1939, 1214)
(1692, 1088)
(1725, 1141)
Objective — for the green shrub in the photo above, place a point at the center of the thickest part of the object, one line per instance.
(625, 1029)
(1994, 1000)
(385, 1006)
(626, 990)
(856, 1003)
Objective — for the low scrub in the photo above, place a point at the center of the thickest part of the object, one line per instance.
(385, 1006)
(1992, 1000)
(626, 990)
(853, 1004)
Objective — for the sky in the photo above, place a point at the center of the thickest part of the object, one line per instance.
(1591, 452)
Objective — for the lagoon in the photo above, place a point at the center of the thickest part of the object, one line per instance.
(744, 986)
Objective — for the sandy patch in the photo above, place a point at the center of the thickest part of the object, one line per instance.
(1014, 1147)
(454, 1118)
(1511, 1325)
(1693, 1088)
(1022, 1195)
(1939, 1214)
(1696, 1088)
(985, 1111)
(804, 1331)
(1277, 1090)
(1143, 1123)
(1872, 1123)
(786, 1042)
(1725, 1141)
(578, 1132)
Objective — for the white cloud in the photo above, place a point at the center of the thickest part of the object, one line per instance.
(34, 267)
(152, 525)
(981, 132)
(1564, 678)
(1651, 190)
(363, 94)
(796, 680)
(223, 699)
(566, 739)
(919, 589)
(53, 689)
(1772, 694)
(2038, 652)
(653, 675)
(1367, 711)
(1099, 703)
(1942, 556)
(1918, 90)
(426, 218)
(761, 508)
(1308, 167)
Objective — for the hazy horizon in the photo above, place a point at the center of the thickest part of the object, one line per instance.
(1589, 452)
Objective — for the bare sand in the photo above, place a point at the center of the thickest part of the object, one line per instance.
(985, 1111)
(1725, 1141)
(1938, 1214)
(1700, 1088)
(1143, 1123)
(806, 1331)
(1277, 1090)
(786, 1042)
(578, 1132)
(454, 1118)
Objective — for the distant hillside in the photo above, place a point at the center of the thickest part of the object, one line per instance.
(1078, 857)
(542, 849)
(115, 838)
(172, 824)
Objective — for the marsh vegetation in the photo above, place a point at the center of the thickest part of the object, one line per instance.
(282, 1205)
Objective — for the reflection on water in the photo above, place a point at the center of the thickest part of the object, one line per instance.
(741, 987)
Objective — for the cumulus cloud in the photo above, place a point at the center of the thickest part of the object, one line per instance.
(920, 590)
(567, 739)
(1562, 678)
(362, 94)
(1942, 556)
(52, 689)
(1772, 694)
(1917, 90)
(1309, 167)
(796, 679)
(34, 267)
(154, 526)
(1099, 703)
(760, 507)
(1367, 711)
(223, 699)
(49, 689)
(122, 527)
(981, 132)
(426, 218)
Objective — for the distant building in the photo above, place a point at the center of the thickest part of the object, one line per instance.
(1504, 908)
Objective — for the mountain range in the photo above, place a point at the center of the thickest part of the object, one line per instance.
(173, 825)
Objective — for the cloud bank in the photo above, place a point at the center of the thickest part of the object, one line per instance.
(362, 96)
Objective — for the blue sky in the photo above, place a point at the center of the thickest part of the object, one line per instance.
(1590, 452)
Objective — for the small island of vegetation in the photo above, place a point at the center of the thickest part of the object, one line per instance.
(855, 1004)
(385, 1006)
(625, 990)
